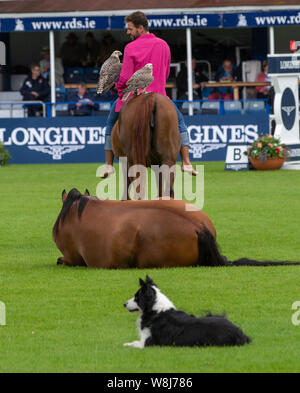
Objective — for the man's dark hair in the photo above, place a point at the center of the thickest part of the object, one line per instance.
(33, 65)
(138, 18)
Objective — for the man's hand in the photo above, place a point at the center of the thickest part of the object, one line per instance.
(35, 94)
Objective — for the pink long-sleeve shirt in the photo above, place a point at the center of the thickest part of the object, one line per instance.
(147, 48)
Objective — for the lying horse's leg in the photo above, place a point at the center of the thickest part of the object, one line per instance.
(77, 262)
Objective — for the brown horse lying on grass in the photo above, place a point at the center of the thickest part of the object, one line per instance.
(136, 234)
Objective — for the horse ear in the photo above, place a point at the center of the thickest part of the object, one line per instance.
(148, 280)
(87, 193)
(64, 196)
(142, 283)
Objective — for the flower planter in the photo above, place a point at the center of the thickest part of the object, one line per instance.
(268, 165)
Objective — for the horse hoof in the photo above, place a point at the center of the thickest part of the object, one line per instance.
(59, 262)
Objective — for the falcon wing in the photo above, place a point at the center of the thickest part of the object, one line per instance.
(111, 77)
(135, 76)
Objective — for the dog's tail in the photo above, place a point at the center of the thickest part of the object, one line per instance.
(209, 254)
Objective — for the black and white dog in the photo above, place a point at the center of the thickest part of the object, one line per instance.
(161, 324)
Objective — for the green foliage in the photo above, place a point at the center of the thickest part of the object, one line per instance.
(4, 155)
(62, 319)
(267, 147)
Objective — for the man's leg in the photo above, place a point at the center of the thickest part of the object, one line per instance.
(109, 155)
(184, 150)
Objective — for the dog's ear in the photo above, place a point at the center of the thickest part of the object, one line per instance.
(142, 283)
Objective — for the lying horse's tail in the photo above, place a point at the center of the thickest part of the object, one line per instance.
(209, 254)
(141, 133)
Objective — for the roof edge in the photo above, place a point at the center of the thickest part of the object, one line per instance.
(156, 11)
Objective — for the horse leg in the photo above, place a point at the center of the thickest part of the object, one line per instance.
(165, 178)
(159, 183)
(172, 179)
(75, 262)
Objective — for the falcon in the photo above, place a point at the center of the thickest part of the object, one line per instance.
(139, 80)
(109, 73)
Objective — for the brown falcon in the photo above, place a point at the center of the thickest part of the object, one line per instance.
(110, 72)
(139, 80)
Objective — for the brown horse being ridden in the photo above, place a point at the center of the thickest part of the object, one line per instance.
(136, 234)
(147, 134)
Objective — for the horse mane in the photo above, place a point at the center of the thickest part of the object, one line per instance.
(141, 137)
(73, 196)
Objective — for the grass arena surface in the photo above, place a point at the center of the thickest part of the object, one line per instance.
(62, 319)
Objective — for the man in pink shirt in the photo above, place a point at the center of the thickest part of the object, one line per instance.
(144, 48)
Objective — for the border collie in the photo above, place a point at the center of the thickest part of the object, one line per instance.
(161, 324)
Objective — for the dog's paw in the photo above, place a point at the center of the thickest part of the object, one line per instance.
(134, 344)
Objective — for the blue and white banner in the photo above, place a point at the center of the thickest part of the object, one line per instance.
(81, 139)
(55, 23)
(284, 64)
(210, 135)
(262, 19)
(167, 21)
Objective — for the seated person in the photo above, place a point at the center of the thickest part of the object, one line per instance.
(71, 52)
(198, 78)
(91, 50)
(265, 91)
(45, 67)
(227, 74)
(35, 88)
(82, 102)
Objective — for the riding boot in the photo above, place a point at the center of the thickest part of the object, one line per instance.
(186, 165)
(108, 168)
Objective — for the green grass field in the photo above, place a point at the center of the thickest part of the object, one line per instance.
(63, 319)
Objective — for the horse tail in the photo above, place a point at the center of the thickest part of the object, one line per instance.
(141, 135)
(253, 262)
(209, 254)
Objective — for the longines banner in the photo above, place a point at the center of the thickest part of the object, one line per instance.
(81, 139)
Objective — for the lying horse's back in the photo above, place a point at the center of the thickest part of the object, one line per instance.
(126, 234)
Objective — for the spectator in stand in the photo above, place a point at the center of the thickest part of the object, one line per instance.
(45, 67)
(91, 50)
(227, 74)
(107, 47)
(265, 91)
(35, 88)
(198, 78)
(82, 102)
(71, 52)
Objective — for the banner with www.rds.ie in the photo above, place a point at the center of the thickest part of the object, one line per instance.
(162, 21)
(81, 139)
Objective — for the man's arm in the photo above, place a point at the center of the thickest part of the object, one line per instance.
(127, 71)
